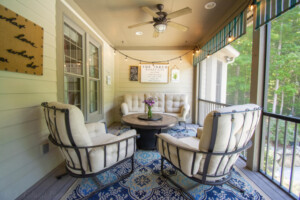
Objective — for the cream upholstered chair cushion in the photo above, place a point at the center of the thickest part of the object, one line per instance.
(133, 103)
(175, 102)
(177, 105)
(111, 148)
(159, 106)
(234, 128)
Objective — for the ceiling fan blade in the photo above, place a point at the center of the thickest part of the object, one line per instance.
(179, 13)
(155, 34)
(140, 24)
(150, 12)
(178, 26)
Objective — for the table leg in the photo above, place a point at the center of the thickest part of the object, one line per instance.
(147, 140)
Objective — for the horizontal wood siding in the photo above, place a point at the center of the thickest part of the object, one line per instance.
(22, 125)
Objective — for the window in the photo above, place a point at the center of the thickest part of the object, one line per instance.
(82, 80)
(280, 146)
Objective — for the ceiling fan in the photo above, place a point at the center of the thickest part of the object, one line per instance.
(162, 19)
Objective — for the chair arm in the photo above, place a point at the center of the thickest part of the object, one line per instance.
(199, 132)
(124, 108)
(124, 135)
(183, 156)
(113, 151)
(96, 128)
(185, 110)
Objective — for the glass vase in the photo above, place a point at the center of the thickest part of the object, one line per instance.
(149, 112)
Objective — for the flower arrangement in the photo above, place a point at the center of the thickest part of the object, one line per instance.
(150, 102)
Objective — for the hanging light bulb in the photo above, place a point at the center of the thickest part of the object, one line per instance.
(114, 52)
(230, 37)
(193, 53)
(208, 55)
(197, 51)
(180, 60)
(251, 7)
(126, 58)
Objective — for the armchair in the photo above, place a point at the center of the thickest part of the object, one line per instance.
(209, 157)
(87, 148)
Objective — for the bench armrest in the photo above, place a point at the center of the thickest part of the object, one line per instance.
(124, 108)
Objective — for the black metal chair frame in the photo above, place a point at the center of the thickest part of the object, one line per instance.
(209, 154)
(53, 138)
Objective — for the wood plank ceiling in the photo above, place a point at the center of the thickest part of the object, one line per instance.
(113, 17)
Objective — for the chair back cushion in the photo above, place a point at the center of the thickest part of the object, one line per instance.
(235, 127)
(78, 131)
(159, 105)
(135, 102)
(175, 102)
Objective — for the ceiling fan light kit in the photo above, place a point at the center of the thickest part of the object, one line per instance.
(162, 19)
(160, 27)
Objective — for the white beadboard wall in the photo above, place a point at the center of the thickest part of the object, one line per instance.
(22, 126)
(123, 85)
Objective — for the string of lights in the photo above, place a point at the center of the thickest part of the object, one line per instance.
(148, 61)
(229, 37)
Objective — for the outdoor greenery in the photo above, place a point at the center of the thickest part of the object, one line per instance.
(284, 71)
(239, 72)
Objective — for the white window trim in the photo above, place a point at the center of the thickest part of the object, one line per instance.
(97, 115)
(86, 39)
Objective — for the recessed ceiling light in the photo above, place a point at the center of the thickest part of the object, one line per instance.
(139, 33)
(210, 5)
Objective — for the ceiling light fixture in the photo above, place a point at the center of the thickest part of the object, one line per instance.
(160, 26)
(210, 5)
(139, 33)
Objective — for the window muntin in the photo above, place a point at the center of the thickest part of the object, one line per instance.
(73, 51)
(73, 91)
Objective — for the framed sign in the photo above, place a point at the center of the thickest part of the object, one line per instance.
(21, 44)
(134, 73)
(154, 73)
(175, 75)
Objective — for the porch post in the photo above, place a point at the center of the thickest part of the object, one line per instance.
(195, 95)
(257, 91)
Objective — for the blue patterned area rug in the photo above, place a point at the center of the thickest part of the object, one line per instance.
(146, 183)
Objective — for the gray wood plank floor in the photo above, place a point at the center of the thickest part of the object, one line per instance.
(270, 189)
(49, 188)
